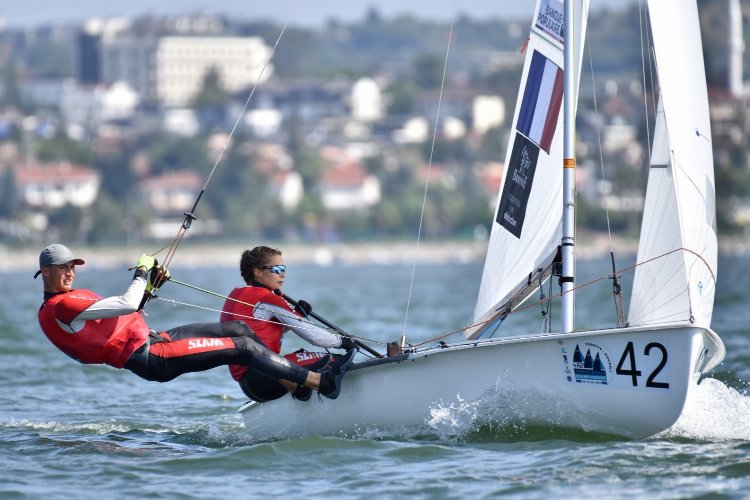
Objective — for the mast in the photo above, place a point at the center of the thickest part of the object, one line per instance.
(569, 163)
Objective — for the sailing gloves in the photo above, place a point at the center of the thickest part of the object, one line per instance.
(347, 343)
(155, 275)
(147, 261)
(303, 308)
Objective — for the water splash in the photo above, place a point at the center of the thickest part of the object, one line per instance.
(454, 420)
(508, 412)
(713, 412)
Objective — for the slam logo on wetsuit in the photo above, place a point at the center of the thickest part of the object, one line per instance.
(202, 343)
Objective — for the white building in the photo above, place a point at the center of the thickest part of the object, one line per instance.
(286, 187)
(367, 100)
(88, 106)
(182, 63)
(263, 122)
(736, 49)
(345, 184)
(414, 131)
(168, 197)
(171, 69)
(50, 186)
(487, 112)
(453, 128)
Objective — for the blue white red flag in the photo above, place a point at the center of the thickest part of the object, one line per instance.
(542, 99)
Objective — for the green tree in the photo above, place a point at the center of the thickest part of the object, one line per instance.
(117, 178)
(109, 221)
(11, 95)
(9, 202)
(211, 101)
(309, 164)
(428, 71)
(212, 93)
(61, 147)
(70, 222)
(402, 95)
(168, 153)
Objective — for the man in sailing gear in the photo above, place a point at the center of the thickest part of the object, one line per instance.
(93, 329)
(269, 316)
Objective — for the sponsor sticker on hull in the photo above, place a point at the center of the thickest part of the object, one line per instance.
(588, 363)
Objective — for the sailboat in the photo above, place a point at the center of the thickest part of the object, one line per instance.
(631, 381)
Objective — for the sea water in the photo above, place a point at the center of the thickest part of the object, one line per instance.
(74, 431)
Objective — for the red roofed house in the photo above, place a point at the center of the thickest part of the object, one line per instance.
(168, 197)
(53, 185)
(490, 176)
(345, 184)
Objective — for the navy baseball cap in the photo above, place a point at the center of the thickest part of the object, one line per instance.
(56, 254)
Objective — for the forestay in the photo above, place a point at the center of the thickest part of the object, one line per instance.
(679, 212)
(527, 227)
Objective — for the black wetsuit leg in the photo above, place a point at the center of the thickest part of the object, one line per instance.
(202, 346)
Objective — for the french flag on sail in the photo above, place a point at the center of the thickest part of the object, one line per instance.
(541, 102)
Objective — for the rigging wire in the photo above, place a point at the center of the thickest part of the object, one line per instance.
(644, 48)
(617, 297)
(599, 140)
(312, 326)
(402, 342)
(653, 76)
(549, 298)
(189, 216)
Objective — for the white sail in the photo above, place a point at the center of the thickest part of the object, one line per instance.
(527, 227)
(676, 278)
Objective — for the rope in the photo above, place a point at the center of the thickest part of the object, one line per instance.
(189, 216)
(552, 297)
(617, 298)
(427, 182)
(311, 326)
(540, 302)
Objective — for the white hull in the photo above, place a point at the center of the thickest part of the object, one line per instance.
(639, 390)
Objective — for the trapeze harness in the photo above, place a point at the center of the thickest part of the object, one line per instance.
(73, 324)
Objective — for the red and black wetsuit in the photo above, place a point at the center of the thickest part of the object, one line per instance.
(269, 316)
(92, 329)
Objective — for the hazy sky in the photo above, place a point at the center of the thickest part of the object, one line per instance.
(299, 12)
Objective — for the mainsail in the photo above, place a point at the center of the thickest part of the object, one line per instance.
(527, 227)
(676, 278)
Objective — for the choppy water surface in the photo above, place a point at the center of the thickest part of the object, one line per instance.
(68, 430)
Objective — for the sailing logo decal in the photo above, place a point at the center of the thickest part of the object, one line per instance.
(519, 177)
(591, 364)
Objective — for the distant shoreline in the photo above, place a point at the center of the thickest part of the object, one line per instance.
(225, 254)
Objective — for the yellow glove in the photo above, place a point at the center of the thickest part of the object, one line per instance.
(146, 261)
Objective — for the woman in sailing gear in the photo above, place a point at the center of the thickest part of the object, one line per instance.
(93, 329)
(269, 316)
